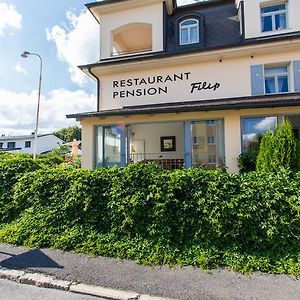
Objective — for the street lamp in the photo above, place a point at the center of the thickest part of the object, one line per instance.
(25, 55)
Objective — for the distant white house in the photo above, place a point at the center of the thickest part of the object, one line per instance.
(25, 143)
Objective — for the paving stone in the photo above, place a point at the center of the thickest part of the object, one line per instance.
(103, 292)
(11, 274)
(60, 284)
(36, 279)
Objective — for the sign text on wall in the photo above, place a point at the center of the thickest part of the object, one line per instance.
(156, 85)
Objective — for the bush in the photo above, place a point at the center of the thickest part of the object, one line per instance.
(279, 149)
(188, 217)
(12, 167)
(247, 161)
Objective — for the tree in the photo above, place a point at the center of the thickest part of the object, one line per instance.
(68, 134)
(279, 149)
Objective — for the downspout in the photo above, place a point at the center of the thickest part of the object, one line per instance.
(243, 20)
(98, 87)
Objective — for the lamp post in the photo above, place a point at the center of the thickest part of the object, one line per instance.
(25, 54)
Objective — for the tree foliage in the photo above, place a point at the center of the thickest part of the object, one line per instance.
(279, 149)
(68, 134)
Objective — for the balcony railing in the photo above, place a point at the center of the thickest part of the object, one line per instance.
(169, 161)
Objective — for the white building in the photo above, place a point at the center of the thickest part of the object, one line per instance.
(25, 143)
(193, 85)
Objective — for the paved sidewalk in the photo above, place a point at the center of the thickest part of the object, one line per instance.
(186, 283)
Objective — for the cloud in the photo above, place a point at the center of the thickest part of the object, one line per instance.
(77, 45)
(266, 124)
(17, 116)
(20, 69)
(9, 17)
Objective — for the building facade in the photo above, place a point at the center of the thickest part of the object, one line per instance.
(193, 85)
(25, 143)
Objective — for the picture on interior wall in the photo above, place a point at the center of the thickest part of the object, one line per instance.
(167, 143)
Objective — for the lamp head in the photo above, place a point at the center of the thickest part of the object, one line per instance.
(25, 54)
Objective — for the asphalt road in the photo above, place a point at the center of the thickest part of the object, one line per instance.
(180, 283)
(10, 290)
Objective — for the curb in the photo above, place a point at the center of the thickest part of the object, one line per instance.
(45, 281)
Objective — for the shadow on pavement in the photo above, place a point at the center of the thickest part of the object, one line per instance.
(30, 259)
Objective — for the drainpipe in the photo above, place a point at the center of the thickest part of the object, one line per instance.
(98, 87)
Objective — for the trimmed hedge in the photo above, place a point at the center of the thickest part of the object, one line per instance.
(194, 217)
(12, 167)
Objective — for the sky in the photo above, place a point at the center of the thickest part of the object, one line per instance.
(65, 35)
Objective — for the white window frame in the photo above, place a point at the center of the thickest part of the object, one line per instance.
(273, 14)
(189, 27)
(276, 76)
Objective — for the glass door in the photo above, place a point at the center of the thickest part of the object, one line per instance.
(113, 146)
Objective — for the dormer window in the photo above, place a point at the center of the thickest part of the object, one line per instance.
(189, 32)
(274, 17)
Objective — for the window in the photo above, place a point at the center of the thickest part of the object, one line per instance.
(208, 143)
(276, 79)
(1, 145)
(189, 32)
(253, 129)
(11, 145)
(27, 144)
(274, 17)
(211, 140)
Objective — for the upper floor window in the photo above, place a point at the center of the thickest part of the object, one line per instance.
(189, 32)
(276, 79)
(274, 17)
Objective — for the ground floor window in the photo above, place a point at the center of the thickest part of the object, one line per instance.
(253, 129)
(173, 145)
(208, 143)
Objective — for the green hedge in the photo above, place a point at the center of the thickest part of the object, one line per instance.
(188, 217)
(12, 167)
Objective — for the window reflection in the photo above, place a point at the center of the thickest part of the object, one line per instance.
(253, 129)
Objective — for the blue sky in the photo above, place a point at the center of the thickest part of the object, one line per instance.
(65, 35)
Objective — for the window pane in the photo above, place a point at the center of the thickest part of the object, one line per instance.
(276, 70)
(280, 21)
(253, 129)
(273, 8)
(189, 22)
(270, 85)
(112, 145)
(194, 36)
(266, 23)
(207, 147)
(184, 36)
(283, 85)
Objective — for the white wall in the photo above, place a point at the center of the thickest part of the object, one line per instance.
(152, 14)
(151, 134)
(233, 75)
